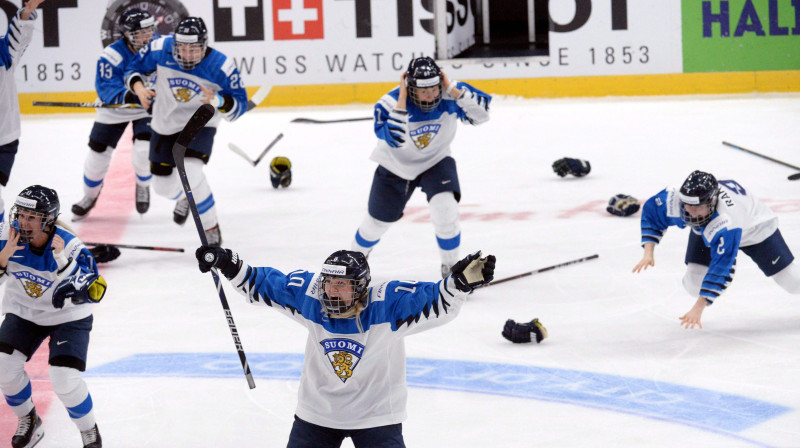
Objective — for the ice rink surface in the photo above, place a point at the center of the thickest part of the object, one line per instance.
(617, 370)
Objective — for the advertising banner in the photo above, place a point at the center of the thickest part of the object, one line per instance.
(741, 35)
(318, 42)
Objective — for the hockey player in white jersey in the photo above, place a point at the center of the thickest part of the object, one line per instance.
(354, 373)
(50, 278)
(12, 46)
(415, 124)
(138, 29)
(724, 217)
(188, 73)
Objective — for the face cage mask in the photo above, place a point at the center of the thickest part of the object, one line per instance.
(24, 236)
(334, 306)
(698, 221)
(425, 106)
(184, 63)
(139, 38)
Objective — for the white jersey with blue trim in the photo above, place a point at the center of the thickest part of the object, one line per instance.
(30, 280)
(354, 374)
(178, 93)
(109, 82)
(429, 133)
(12, 46)
(740, 220)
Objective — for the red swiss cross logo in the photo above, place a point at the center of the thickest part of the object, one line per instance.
(297, 19)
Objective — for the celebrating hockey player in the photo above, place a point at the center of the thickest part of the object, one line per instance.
(724, 217)
(188, 74)
(50, 277)
(353, 381)
(138, 29)
(415, 124)
(12, 46)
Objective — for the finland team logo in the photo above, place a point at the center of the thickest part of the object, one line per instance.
(183, 90)
(344, 355)
(424, 135)
(34, 285)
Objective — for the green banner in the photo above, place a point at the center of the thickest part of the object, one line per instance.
(740, 35)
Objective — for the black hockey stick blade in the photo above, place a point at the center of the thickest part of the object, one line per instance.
(258, 97)
(539, 271)
(794, 176)
(88, 105)
(200, 118)
(266, 150)
(134, 246)
(780, 162)
(341, 120)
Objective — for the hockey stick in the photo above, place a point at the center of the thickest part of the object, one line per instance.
(258, 97)
(195, 124)
(780, 162)
(88, 105)
(341, 120)
(133, 246)
(244, 155)
(539, 271)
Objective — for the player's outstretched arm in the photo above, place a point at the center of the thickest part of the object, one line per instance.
(29, 8)
(692, 318)
(647, 259)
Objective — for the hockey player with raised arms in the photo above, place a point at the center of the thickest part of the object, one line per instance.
(12, 46)
(354, 373)
(724, 217)
(50, 279)
(138, 30)
(188, 73)
(415, 124)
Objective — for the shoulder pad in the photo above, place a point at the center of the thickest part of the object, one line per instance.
(718, 224)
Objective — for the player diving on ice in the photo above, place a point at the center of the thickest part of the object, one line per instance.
(724, 217)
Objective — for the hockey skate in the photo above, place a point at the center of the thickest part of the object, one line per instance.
(91, 438)
(82, 207)
(142, 199)
(181, 211)
(29, 431)
(214, 237)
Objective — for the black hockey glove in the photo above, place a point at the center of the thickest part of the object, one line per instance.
(216, 257)
(576, 167)
(398, 124)
(520, 333)
(280, 172)
(473, 271)
(80, 288)
(623, 205)
(103, 253)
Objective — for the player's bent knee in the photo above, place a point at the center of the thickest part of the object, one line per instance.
(693, 278)
(789, 278)
(96, 146)
(11, 366)
(64, 379)
(444, 211)
(160, 169)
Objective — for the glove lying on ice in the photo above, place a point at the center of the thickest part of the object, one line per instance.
(80, 288)
(576, 167)
(473, 271)
(103, 253)
(225, 260)
(623, 205)
(519, 333)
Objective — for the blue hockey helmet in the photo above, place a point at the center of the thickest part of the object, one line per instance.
(191, 42)
(423, 73)
(699, 189)
(345, 275)
(138, 27)
(39, 201)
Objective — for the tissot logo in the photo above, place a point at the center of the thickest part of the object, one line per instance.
(297, 19)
